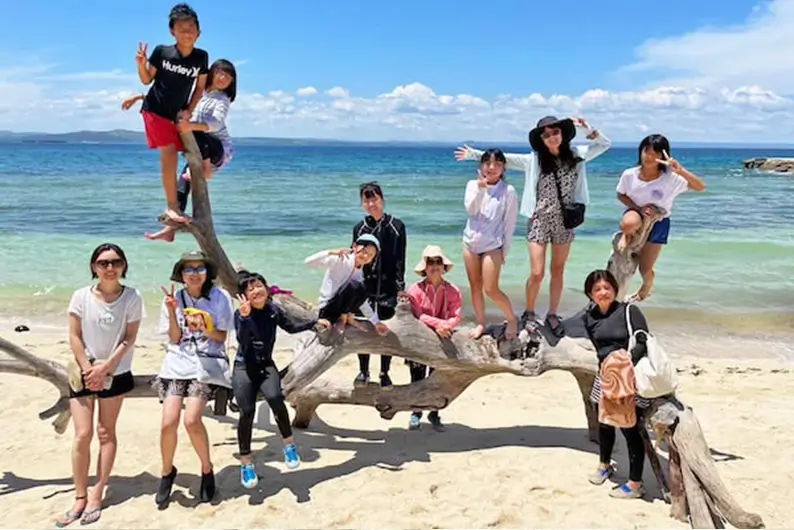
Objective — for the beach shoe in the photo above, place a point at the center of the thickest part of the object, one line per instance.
(207, 488)
(385, 381)
(166, 485)
(91, 516)
(248, 477)
(69, 517)
(414, 424)
(291, 457)
(361, 380)
(624, 491)
(601, 475)
(435, 421)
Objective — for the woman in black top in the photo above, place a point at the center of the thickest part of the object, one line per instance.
(256, 323)
(606, 326)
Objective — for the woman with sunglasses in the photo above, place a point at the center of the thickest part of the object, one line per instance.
(197, 319)
(103, 324)
(554, 199)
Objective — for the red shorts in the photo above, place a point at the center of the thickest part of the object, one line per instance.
(161, 132)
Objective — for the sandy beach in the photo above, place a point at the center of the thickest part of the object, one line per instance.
(515, 454)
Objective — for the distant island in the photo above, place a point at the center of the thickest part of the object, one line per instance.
(124, 136)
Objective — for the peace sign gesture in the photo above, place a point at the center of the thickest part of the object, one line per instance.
(170, 300)
(141, 57)
(245, 305)
(669, 161)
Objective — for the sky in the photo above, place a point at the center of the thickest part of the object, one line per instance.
(694, 70)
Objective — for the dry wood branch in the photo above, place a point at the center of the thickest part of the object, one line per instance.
(625, 264)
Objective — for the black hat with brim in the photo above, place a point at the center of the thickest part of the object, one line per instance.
(195, 255)
(566, 125)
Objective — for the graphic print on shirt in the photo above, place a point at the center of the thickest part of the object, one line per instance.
(173, 82)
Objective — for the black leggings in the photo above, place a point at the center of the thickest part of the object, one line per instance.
(211, 149)
(347, 300)
(384, 313)
(246, 384)
(636, 448)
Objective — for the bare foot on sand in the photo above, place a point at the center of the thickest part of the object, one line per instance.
(166, 234)
(477, 332)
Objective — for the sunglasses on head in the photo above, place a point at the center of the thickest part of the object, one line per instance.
(105, 263)
(549, 133)
(201, 269)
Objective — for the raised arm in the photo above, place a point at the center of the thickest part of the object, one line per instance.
(322, 259)
(475, 193)
(600, 143)
(147, 66)
(520, 162)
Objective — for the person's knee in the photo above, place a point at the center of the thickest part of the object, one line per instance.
(557, 269)
(169, 423)
(83, 436)
(193, 422)
(491, 289)
(275, 400)
(631, 222)
(105, 433)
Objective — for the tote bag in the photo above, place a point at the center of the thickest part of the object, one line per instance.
(655, 373)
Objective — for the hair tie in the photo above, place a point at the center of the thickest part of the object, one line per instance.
(275, 289)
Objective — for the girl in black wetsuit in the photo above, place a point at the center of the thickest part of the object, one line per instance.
(606, 326)
(255, 370)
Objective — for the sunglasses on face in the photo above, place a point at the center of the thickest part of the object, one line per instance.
(195, 270)
(106, 263)
(434, 261)
(550, 133)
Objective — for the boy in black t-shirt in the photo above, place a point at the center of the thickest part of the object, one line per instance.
(172, 72)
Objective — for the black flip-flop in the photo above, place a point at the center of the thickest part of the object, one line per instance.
(557, 328)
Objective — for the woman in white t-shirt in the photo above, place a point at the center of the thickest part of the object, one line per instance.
(103, 324)
(653, 184)
(196, 319)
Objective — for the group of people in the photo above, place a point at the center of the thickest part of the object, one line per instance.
(361, 281)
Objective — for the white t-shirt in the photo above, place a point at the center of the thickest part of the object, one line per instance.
(104, 324)
(660, 192)
(181, 361)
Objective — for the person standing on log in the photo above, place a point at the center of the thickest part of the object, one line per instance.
(197, 319)
(492, 208)
(256, 322)
(103, 325)
(343, 290)
(437, 304)
(384, 277)
(654, 183)
(605, 322)
(173, 73)
(554, 200)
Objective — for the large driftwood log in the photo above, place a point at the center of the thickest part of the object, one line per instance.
(458, 362)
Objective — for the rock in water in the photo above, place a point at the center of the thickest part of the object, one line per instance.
(778, 165)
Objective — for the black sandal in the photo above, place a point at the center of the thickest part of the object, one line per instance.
(554, 321)
(166, 485)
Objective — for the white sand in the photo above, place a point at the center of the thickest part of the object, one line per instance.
(515, 454)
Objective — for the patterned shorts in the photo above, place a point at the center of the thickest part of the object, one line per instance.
(184, 388)
(548, 228)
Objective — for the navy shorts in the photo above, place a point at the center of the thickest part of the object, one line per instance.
(660, 231)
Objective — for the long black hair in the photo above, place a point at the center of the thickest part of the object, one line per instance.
(566, 159)
(222, 65)
(104, 247)
(658, 143)
(492, 155)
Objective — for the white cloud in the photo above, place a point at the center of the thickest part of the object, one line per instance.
(306, 91)
(338, 92)
(757, 52)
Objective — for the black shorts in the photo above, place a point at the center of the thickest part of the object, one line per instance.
(122, 384)
(211, 148)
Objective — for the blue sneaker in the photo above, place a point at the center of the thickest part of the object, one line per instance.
(248, 477)
(291, 457)
(416, 418)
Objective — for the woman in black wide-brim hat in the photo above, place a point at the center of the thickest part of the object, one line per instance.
(554, 200)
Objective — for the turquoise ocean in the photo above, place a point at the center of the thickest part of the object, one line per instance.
(728, 263)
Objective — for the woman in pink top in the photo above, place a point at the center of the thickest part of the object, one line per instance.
(437, 304)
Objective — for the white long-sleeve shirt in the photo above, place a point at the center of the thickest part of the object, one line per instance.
(530, 165)
(492, 214)
(339, 271)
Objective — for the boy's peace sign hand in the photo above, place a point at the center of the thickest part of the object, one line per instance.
(170, 300)
(245, 305)
(141, 57)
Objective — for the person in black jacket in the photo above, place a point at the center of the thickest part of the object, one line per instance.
(607, 328)
(384, 277)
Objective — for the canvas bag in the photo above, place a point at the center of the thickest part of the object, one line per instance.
(655, 373)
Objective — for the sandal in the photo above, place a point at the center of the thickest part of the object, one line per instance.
(69, 517)
(554, 321)
(91, 516)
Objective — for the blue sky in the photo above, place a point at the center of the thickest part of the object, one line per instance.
(492, 51)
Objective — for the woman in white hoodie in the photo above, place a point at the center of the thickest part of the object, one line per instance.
(554, 200)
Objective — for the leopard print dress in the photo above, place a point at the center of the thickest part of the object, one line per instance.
(546, 224)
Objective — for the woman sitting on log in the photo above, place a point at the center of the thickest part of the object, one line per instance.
(103, 324)
(256, 322)
(653, 184)
(614, 395)
(197, 319)
(437, 304)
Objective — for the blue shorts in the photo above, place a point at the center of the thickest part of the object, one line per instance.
(659, 232)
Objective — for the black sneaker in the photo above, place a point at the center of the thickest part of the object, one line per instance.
(385, 381)
(435, 421)
(166, 485)
(207, 489)
(361, 380)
